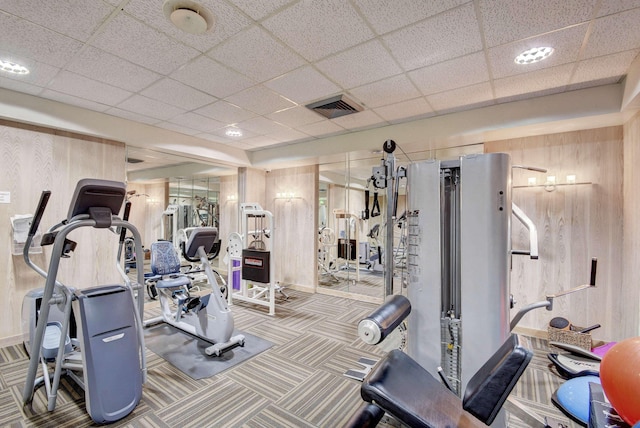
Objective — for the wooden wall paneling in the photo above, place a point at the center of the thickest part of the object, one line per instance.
(34, 159)
(574, 224)
(631, 244)
(228, 213)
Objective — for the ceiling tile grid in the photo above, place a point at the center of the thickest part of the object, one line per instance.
(265, 60)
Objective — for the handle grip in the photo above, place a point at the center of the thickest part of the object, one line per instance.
(125, 217)
(42, 204)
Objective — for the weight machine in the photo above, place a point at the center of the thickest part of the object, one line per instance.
(252, 267)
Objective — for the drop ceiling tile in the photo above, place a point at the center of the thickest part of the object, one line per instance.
(74, 18)
(443, 37)
(177, 128)
(611, 7)
(225, 112)
(228, 21)
(566, 44)
(388, 15)
(507, 20)
(83, 87)
(125, 114)
(72, 100)
(260, 141)
(261, 126)
(473, 95)
(361, 120)
(151, 108)
(321, 129)
(220, 134)
(535, 81)
(459, 72)
(260, 100)
(529, 95)
(360, 65)
(197, 122)
(29, 40)
(260, 9)
(614, 33)
(207, 75)
(19, 86)
(403, 111)
(593, 83)
(39, 73)
(295, 117)
(107, 68)
(384, 92)
(175, 93)
(316, 29)
(145, 46)
(603, 67)
(303, 85)
(288, 136)
(256, 54)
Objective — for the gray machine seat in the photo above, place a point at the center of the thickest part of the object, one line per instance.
(165, 261)
(401, 387)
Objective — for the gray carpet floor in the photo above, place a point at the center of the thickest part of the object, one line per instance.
(298, 382)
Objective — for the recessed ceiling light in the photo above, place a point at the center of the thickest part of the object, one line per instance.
(534, 55)
(12, 67)
(233, 132)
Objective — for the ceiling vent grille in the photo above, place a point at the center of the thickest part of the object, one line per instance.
(134, 160)
(336, 106)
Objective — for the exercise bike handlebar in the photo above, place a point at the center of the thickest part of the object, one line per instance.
(125, 217)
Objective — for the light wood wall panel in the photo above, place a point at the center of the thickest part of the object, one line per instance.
(147, 209)
(34, 159)
(295, 235)
(575, 223)
(631, 222)
(228, 213)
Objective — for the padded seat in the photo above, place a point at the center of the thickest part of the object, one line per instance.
(403, 388)
(166, 261)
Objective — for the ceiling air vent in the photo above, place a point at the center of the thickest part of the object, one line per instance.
(336, 106)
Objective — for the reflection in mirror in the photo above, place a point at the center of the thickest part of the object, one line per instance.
(352, 223)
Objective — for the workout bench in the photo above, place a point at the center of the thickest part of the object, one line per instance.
(401, 387)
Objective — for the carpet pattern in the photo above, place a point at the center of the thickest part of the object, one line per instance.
(298, 382)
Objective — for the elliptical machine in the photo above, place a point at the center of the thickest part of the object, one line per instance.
(191, 313)
(106, 355)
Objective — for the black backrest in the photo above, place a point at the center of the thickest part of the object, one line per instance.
(200, 237)
(92, 193)
(491, 385)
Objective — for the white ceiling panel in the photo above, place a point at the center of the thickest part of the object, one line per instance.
(146, 46)
(40, 75)
(405, 110)
(470, 95)
(389, 15)
(222, 133)
(71, 99)
(594, 69)
(540, 80)
(316, 29)
(77, 19)
(611, 7)
(360, 65)
(507, 20)
(285, 135)
(261, 126)
(125, 114)
(321, 129)
(19, 85)
(463, 71)
(303, 85)
(228, 21)
(257, 9)
(614, 33)
(361, 120)
(443, 37)
(151, 108)
(88, 89)
(566, 44)
(172, 92)
(256, 54)
(592, 83)
(197, 122)
(178, 128)
(108, 68)
(205, 74)
(295, 117)
(388, 91)
(260, 141)
(225, 112)
(260, 100)
(29, 40)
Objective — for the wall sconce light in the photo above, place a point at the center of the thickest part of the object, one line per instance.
(531, 181)
(232, 198)
(550, 184)
(286, 195)
(571, 179)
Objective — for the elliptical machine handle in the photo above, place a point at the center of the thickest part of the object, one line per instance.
(125, 217)
(42, 204)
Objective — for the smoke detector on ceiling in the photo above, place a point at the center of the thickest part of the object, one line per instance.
(188, 16)
(336, 106)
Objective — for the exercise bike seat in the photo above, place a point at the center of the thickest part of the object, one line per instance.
(166, 261)
(403, 388)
